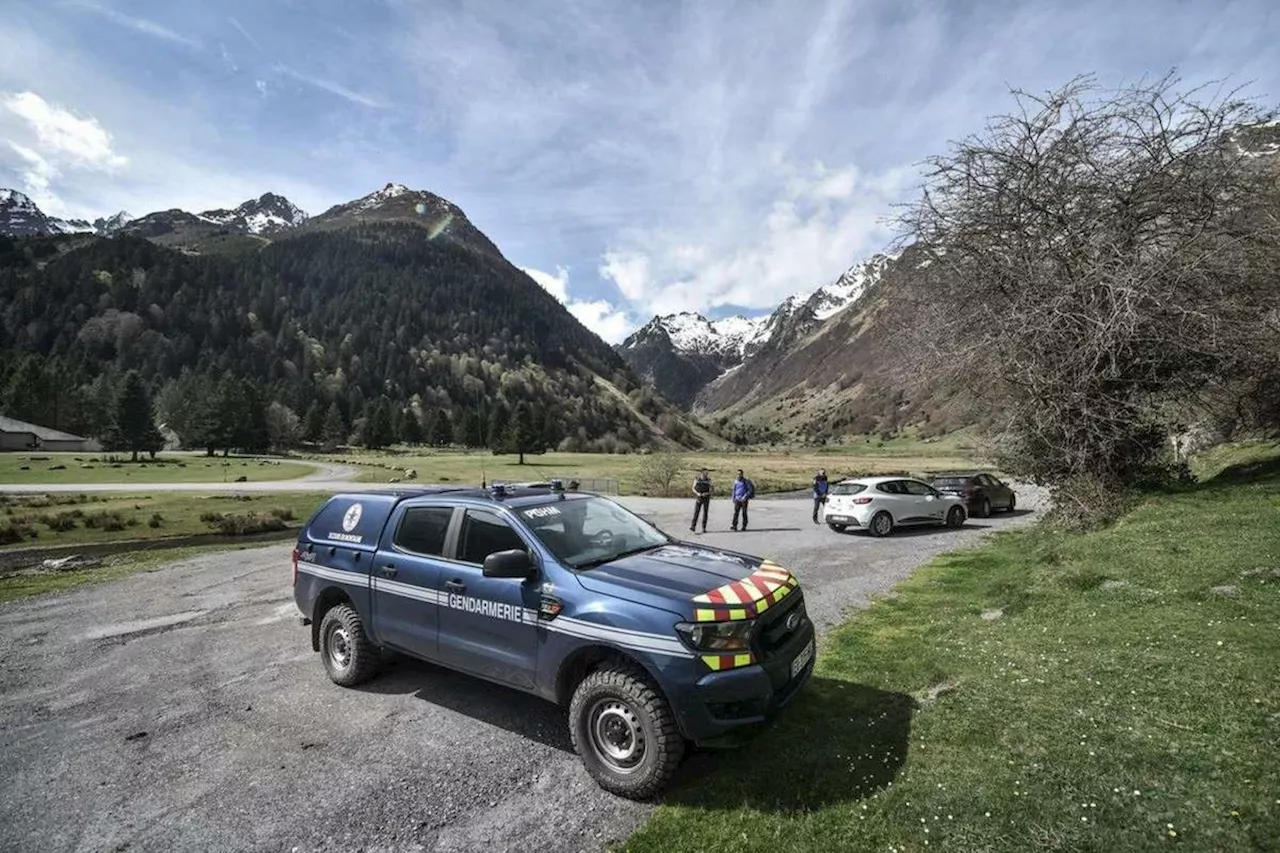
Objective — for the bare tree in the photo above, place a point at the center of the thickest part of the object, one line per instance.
(658, 471)
(1097, 265)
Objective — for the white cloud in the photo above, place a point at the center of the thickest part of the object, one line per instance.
(248, 37)
(597, 315)
(50, 140)
(333, 88)
(819, 222)
(141, 25)
(62, 134)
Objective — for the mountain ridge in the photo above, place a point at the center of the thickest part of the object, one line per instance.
(683, 354)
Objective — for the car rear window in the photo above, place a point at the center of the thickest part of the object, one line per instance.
(951, 482)
(848, 488)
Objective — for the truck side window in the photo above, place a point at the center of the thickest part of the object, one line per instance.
(423, 530)
(484, 533)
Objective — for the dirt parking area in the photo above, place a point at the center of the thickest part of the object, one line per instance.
(183, 709)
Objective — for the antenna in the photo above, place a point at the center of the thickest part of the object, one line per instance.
(484, 483)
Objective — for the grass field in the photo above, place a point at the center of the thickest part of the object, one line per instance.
(68, 519)
(57, 468)
(771, 470)
(1109, 691)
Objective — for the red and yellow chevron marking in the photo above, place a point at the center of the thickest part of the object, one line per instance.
(719, 662)
(746, 598)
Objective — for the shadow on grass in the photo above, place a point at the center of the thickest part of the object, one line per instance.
(838, 742)
(1245, 472)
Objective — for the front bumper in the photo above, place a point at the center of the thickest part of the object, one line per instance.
(721, 704)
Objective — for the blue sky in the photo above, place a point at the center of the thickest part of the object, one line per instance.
(638, 158)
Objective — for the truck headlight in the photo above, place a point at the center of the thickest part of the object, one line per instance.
(717, 636)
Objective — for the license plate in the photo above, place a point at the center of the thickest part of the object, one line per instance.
(838, 518)
(802, 660)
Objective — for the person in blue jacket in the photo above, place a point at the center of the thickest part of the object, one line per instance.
(743, 491)
(820, 488)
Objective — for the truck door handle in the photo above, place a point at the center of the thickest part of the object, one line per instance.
(389, 570)
(455, 586)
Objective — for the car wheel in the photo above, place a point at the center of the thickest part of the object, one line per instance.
(838, 528)
(955, 517)
(984, 509)
(881, 524)
(350, 657)
(1013, 502)
(625, 732)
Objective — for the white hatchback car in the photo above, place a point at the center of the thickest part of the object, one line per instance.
(880, 504)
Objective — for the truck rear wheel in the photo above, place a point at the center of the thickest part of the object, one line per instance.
(349, 656)
(624, 731)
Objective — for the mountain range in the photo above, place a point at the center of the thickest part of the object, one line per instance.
(683, 354)
(20, 217)
(393, 299)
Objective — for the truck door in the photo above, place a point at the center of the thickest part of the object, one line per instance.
(406, 577)
(488, 626)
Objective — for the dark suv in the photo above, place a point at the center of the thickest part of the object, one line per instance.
(981, 492)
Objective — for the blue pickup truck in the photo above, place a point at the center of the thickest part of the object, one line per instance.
(652, 643)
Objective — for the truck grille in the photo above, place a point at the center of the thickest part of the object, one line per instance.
(773, 633)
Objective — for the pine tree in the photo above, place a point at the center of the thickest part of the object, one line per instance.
(335, 429)
(252, 433)
(497, 433)
(411, 430)
(442, 429)
(473, 429)
(224, 417)
(377, 426)
(314, 429)
(135, 428)
(519, 437)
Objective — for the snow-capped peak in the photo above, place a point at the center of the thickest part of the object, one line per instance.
(379, 197)
(16, 201)
(263, 215)
(830, 300)
(690, 332)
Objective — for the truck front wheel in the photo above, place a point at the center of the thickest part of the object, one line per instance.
(625, 732)
(349, 656)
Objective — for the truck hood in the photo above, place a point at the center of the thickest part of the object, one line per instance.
(670, 576)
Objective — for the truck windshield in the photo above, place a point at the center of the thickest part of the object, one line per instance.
(590, 531)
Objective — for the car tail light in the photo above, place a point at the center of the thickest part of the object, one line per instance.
(862, 500)
(295, 566)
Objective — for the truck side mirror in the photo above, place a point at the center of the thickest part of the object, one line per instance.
(508, 564)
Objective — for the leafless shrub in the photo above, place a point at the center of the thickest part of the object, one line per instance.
(1096, 266)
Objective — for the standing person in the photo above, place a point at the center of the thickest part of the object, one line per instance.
(701, 500)
(820, 488)
(743, 491)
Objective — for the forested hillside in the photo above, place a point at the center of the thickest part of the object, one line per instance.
(373, 323)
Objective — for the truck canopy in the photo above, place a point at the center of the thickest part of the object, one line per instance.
(355, 519)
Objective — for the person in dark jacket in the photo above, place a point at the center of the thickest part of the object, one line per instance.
(743, 491)
(820, 489)
(701, 500)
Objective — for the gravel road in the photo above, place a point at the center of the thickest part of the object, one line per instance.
(183, 709)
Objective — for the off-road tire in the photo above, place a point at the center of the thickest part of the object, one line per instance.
(363, 657)
(878, 529)
(838, 528)
(955, 517)
(984, 509)
(663, 746)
